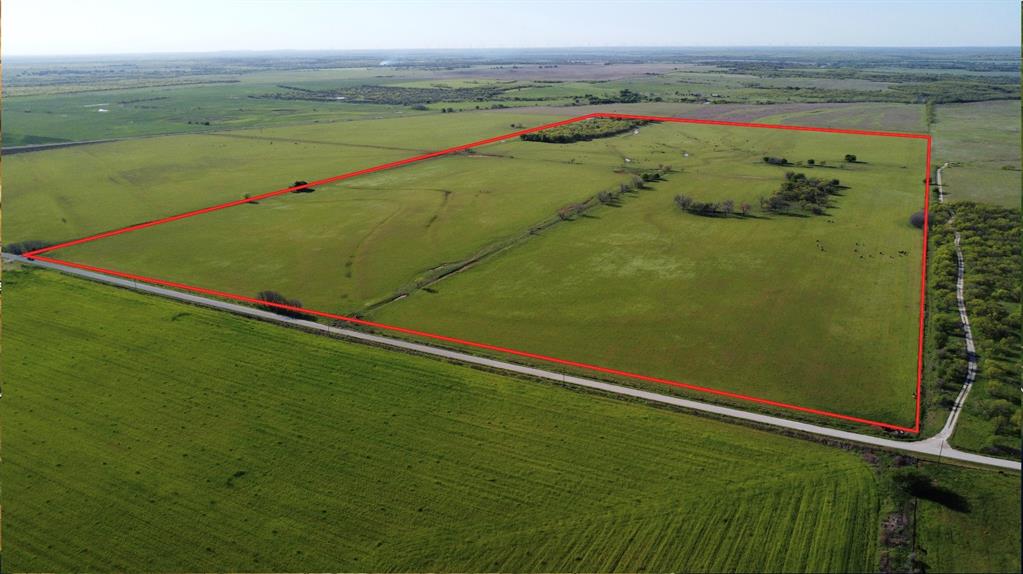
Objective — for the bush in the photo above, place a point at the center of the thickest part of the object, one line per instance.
(303, 190)
(917, 220)
(277, 299)
(25, 246)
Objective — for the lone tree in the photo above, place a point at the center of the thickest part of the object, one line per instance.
(851, 158)
(917, 220)
(727, 206)
(744, 208)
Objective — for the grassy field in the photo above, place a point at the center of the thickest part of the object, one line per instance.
(983, 141)
(969, 523)
(68, 193)
(752, 305)
(147, 435)
(33, 118)
(346, 246)
(74, 101)
(641, 268)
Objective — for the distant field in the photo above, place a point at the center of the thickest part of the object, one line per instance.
(64, 102)
(131, 112)
(983, 141)
(64, 194)
(717, 302)
(225, 444)
(860, 115)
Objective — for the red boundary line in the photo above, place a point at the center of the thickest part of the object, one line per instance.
(36, 254)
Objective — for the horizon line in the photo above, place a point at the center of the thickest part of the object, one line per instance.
(255, 51)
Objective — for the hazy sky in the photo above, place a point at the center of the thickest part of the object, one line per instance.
(134, 26)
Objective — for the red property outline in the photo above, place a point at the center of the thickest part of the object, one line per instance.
(37, 254)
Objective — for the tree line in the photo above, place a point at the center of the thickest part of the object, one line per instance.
(726, 207)
(638, 182)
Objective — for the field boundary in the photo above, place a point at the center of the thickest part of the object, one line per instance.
(915, 429)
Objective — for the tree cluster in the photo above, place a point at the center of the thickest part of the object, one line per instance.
(809, 193)
(625, 96)
(585, 130)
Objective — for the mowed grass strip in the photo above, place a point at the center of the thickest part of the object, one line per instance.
(146, 435)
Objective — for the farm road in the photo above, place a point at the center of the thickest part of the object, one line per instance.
(971, 350)
(933, 447)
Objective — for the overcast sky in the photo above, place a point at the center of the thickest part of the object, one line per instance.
(137, 26)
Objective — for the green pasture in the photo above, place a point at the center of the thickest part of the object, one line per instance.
(969, 522)
(352, 244)
(815, 311)
(68, 193)
(147, 435)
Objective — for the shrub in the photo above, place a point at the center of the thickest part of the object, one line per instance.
(25, 246)
(277, 299)
(304, 189)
